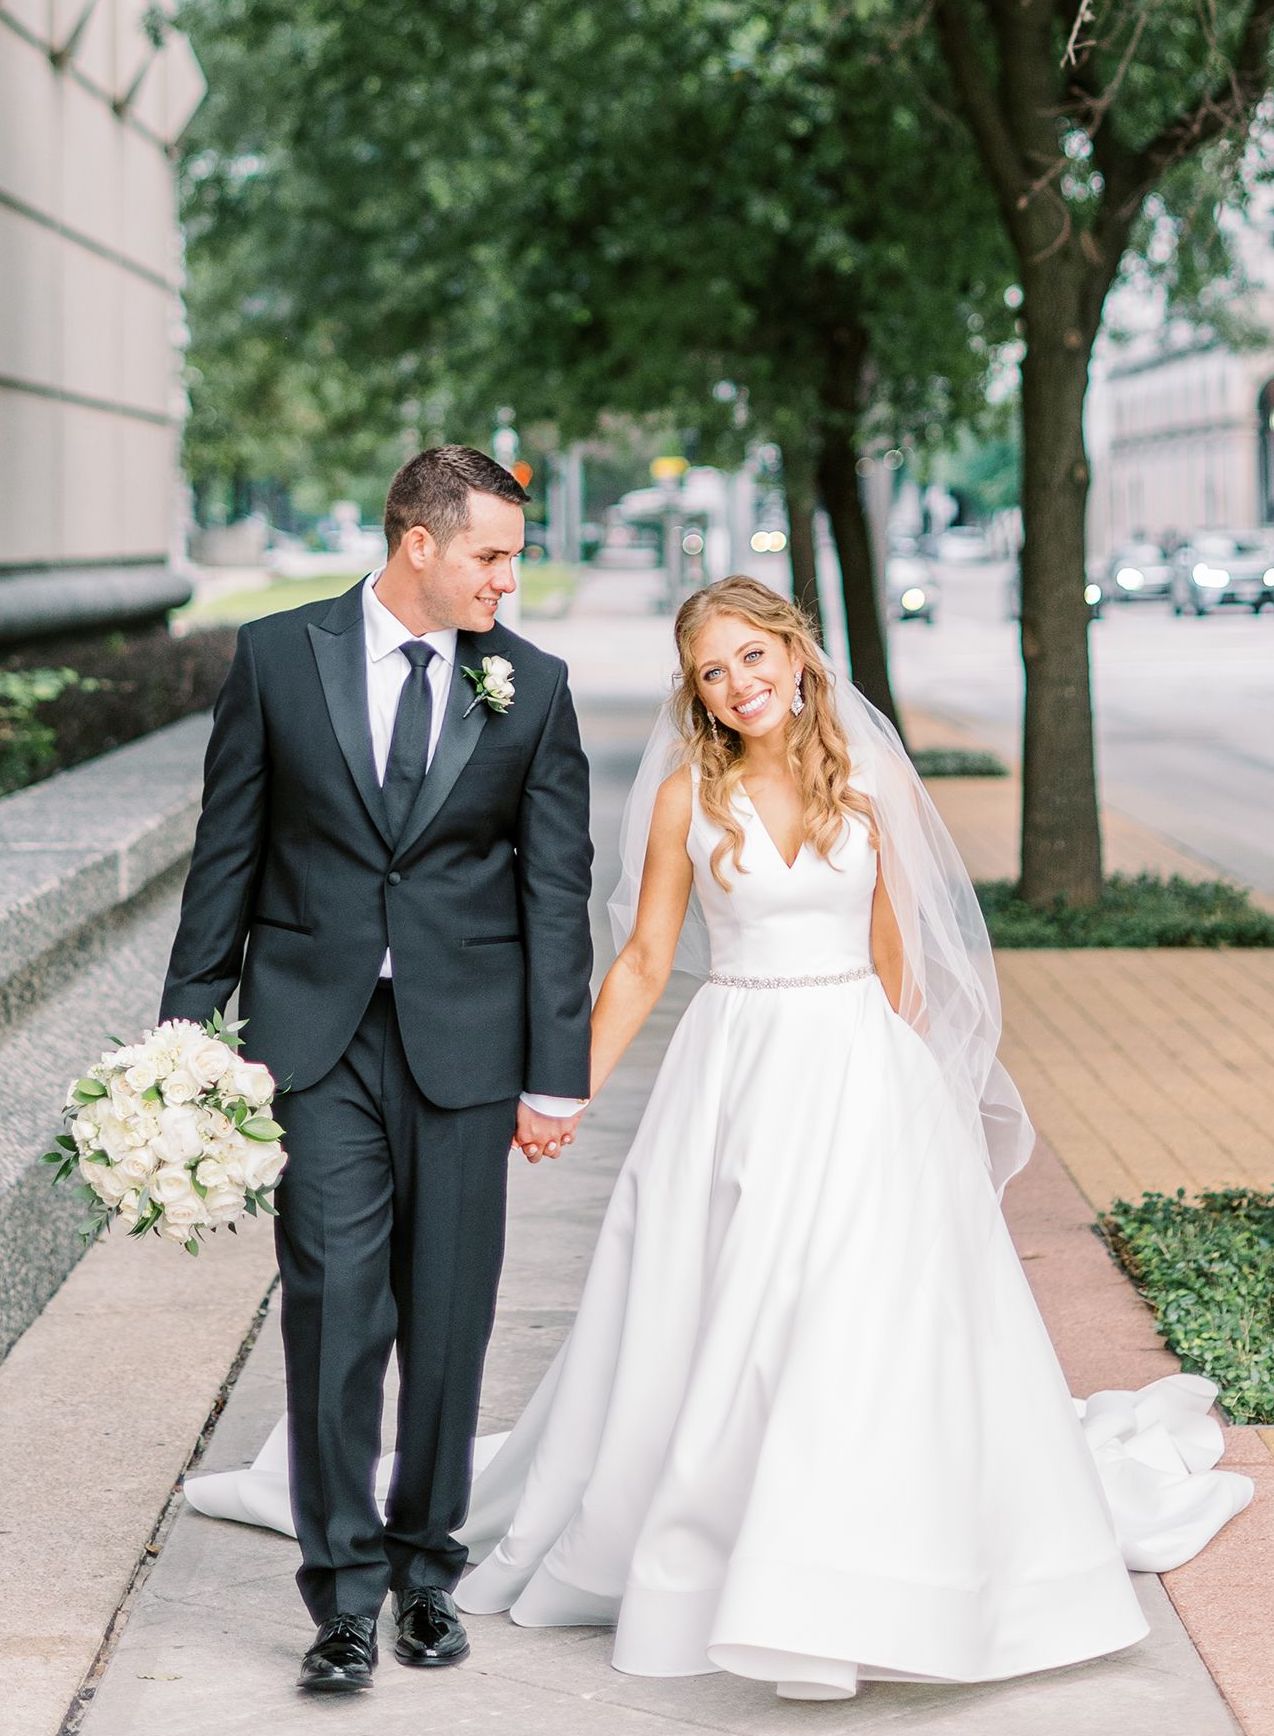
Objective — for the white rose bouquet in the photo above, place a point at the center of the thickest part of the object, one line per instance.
(172, 1134)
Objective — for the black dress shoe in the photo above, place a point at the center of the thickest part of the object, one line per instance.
(429, 1630)
(343, 1656)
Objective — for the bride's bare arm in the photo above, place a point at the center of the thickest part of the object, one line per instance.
(640, 974)
(886, 943)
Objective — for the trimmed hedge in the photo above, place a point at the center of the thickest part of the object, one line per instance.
(1135, 910)
(957, 762)
(1207, 1270)
(104, 692)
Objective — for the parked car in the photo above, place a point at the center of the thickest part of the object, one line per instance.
(1092, 593)
(962, 543)
(1219, 567)
(1137, 572)
(911, 587)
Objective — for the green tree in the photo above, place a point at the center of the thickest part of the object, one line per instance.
(589, 210)
(1079, 111)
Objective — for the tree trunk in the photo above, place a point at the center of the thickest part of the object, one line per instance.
(1061, 833)
(798, 492)
(868, 654)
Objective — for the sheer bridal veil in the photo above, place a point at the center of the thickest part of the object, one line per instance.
(950, 996)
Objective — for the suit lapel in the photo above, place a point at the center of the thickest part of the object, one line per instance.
(342, 665)
(455, 745)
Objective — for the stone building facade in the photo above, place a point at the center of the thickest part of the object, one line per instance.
(93, 95)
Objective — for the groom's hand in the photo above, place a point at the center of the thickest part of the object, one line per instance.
(543, 1135)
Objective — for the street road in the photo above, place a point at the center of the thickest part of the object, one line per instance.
(1184, 708)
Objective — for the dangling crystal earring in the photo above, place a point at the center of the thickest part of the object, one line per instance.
(798, 702)
(716, 733)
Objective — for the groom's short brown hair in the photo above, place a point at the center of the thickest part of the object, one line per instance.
(432, 489)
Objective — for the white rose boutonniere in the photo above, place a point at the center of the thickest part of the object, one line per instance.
(492, 683)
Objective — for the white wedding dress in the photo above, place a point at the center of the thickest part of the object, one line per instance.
(808, 1425)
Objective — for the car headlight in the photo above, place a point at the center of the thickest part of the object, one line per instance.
(913, 599)
(1269, 576)
(1092, 595)
(1211, 578)
(1130, 578)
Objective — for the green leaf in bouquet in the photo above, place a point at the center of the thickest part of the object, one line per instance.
(66, 1142)
(261, 1127)
(88, 1194)
(198, 1186)
(152, 1094)
(192, 1246)
(96, 1157)
(118, 1041)
(250, 1205)
(263, 1200)
(88, 1090)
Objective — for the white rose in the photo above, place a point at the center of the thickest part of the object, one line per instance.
(497, 668)
(263, 1166)
(84, 1131)
(186, 1211)
(123, 1099)
(128, 1207)
(136, 1168)
(210, 1173)
(179, 1138)
(224, 1204)
(171, 1185)
(105, 1182)
(115, 1137)
(253, 1082)
(208, 1062)
(180, 1086)
(174, 1230)
(141, 1075)
(233, 1159)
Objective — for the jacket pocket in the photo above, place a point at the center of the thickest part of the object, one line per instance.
(288, 927)
(492, 940)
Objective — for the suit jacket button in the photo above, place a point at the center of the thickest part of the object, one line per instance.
(394, 878)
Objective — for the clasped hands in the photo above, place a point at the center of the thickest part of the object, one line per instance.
(543, 1135)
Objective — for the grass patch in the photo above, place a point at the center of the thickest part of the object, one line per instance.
(1206, 1267)
(233, 608)
(957, 762)
(1135, 910)
(546, 586)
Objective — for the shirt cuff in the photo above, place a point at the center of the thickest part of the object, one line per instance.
(558, 1108)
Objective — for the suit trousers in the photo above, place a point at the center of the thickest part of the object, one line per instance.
(390, 1235)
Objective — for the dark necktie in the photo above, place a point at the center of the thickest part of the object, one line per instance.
(409, 747)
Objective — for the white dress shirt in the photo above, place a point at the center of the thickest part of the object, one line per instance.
(387, 670)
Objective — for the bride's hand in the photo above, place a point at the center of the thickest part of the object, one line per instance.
(543, 1135)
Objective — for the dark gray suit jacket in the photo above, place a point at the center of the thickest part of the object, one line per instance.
(483, 900)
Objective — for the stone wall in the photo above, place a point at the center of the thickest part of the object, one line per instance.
(91, 864)
(92, 97)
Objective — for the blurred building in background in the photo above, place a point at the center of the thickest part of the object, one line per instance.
(93, 95)
(1180, 429)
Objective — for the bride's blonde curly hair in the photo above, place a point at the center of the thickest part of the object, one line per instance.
(817, 749)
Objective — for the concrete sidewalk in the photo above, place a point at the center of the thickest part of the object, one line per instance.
(214, 1627)
(212, 1643)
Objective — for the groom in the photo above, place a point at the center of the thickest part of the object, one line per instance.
(403, 849)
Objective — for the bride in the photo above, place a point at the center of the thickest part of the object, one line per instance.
(808, 1426)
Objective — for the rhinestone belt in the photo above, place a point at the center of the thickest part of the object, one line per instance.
(791, 982)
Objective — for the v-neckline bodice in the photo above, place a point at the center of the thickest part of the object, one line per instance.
(789, 867)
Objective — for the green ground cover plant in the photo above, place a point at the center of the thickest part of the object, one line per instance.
(957, 762)
(66, 701)
(1134, 910)
(1206, 1267)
